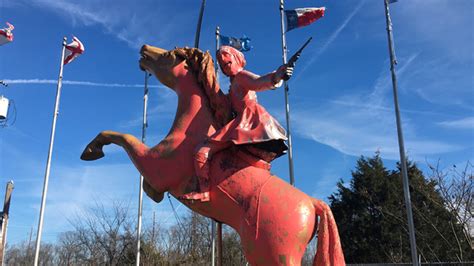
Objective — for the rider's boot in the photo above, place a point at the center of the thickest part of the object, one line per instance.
(201, 166)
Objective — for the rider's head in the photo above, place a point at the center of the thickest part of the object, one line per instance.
(231, 60)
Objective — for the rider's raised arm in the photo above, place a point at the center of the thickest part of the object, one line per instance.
(250, 81)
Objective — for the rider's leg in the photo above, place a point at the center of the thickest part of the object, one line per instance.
(202, 158)
(204, 154)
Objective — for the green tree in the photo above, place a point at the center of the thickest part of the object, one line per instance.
(372, 222)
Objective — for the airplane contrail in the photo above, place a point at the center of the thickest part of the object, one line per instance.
(75, 82)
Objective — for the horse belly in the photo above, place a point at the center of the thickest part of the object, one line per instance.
(274, 220)
(286, 220)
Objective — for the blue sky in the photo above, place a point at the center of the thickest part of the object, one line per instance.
(340, 96)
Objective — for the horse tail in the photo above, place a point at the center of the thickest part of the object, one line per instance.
(329, 250)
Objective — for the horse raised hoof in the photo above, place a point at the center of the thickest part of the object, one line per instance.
(91, 153)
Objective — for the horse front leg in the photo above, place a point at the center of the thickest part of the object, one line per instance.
(94, 150)
(134, 147)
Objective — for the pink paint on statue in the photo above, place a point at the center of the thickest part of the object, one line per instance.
(275, 220)
(252, 123)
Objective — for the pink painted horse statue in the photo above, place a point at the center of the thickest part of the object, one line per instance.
(275, 220)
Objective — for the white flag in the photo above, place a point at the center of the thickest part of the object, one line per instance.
(73, 50)
(6, 34)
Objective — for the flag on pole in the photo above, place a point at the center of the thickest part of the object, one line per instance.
(6, 34)
(73, 50)
(301, 17)
(241, 44)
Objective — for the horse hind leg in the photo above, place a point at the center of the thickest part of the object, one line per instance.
(329, 250)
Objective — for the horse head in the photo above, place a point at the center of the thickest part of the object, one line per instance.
(169, 67)
(162, 63)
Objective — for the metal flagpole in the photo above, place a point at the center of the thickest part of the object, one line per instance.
(287, 104)
(219, 244)
(406, 189)
(140, 194)
(217, 226)
(50, 153)
(4, 223)
(213, 223)
(198, 30)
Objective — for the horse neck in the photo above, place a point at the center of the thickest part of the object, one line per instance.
(192, 124)
(193, 118)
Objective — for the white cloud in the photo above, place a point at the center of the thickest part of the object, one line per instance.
(383, 84)
(128, 21)
(356, 131)
(79, 83)
(441, 81)
(75, 189)
(364, 122)
(445, 26)
(465, 123)
(442, 31)
(162, 105)
(331, 38)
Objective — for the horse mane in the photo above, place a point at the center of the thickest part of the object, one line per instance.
(202, 65)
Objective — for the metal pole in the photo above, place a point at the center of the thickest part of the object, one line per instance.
(287, 103)
(406, 189)
(213, 242)
(5, 216)
(140, 194)
(218, 32)
(213, 223)
(50, 153)
(219, 244)
(216, 227)
(198, 30)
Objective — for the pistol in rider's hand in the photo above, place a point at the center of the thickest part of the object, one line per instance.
(291, 63)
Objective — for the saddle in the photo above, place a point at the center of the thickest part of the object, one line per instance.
(253, 154)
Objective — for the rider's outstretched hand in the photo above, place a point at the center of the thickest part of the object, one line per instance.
(284, 72)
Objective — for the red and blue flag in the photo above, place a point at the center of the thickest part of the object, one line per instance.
(241, 44)
(301, 17)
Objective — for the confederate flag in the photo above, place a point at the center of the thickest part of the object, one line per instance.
(301, 17)
(73, 50)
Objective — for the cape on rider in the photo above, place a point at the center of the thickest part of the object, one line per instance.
(252, 124)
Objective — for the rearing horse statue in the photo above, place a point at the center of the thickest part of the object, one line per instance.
(275, 220)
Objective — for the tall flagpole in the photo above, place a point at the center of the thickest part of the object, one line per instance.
(140, 194)
(4, 217)
(406, 189)
(213, 222)
(50, 153)
(216, 243)
(287, 104)
(198, 30)
(217, 226)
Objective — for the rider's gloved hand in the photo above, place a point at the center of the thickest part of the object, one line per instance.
(284, 72)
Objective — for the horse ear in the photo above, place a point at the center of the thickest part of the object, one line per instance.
(152, 193)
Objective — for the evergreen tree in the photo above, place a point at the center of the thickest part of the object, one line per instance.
(372, 221)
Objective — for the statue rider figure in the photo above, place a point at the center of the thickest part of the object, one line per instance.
(252, 124)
